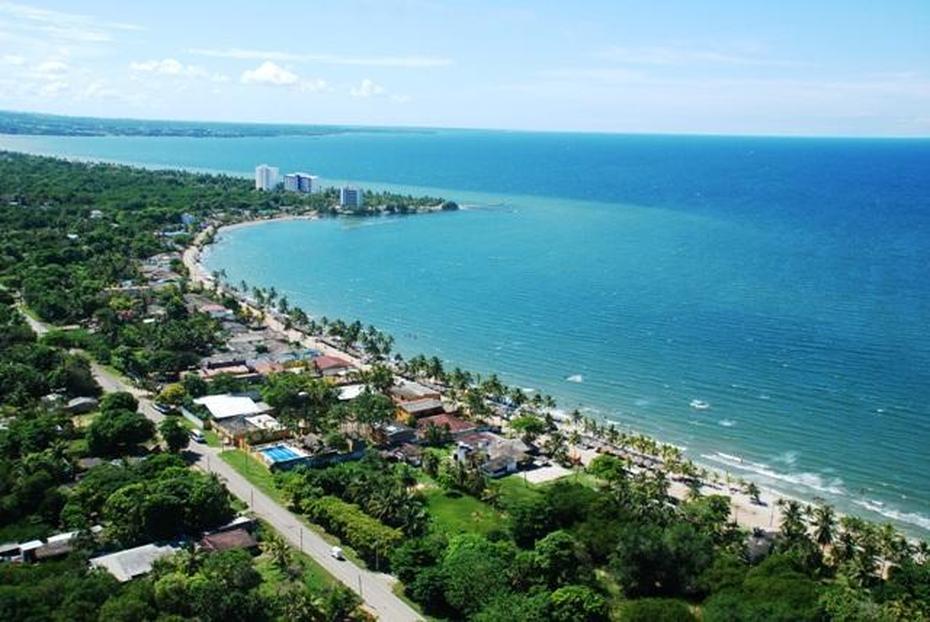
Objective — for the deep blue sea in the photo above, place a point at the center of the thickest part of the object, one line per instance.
(783, 281)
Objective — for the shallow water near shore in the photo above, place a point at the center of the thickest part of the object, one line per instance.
(762, 302)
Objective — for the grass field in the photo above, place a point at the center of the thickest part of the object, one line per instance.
(254, 471)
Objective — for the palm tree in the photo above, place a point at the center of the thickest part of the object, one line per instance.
(752, 490)
(298, 604)
(278, 550)
(824, 526)
(792, 521)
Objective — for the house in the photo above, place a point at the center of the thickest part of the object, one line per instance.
(265, 367)
(81, 405)
(499, 456)
(393, 434)
(216, 311)
(237, 538)
(455, 425)
(408, 452)
(331, 365)
(421, 408)
(131, 563)
(409, 391)
(227, 406)
(349, 392)
(250, 430)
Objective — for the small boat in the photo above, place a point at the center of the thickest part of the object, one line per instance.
(699, 405)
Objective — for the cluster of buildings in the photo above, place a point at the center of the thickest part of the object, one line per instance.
(268, 178)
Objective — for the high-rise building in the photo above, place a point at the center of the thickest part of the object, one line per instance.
(350, 197)
(300, 182)
(266, 177)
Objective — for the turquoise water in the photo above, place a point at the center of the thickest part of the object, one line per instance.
(783, 281)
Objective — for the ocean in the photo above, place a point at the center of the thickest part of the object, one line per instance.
(784, 282)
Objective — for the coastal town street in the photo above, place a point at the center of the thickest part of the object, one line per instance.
(374, 588)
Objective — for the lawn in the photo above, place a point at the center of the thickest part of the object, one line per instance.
(454, 512)
(254, 471)
(313, 575)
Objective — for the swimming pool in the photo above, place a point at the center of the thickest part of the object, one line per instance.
(280, 453)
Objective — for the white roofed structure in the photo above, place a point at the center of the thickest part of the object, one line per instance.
(226, 406)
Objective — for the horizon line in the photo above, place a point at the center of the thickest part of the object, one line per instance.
(355, 126)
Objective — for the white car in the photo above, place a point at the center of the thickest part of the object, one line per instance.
(198, 436)
(336, 553)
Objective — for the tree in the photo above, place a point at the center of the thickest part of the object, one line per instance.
(529, 427)
(654, 561)
(174, 394)
(752, 490)
(279, 551)
(577, 603)
(472, 568)
(115, 432)
(657, 610)
(174, 434)
(824, 525)
(119, 400)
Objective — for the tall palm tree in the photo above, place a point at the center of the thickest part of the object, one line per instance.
(792, 521)
(824, 519)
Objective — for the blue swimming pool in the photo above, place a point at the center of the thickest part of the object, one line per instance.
(280, 453)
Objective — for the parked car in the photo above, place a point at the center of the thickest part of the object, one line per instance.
(198, 436)
(336, 553)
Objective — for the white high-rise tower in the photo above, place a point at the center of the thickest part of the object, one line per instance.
(266, 177)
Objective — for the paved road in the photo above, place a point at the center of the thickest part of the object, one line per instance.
(374, 588)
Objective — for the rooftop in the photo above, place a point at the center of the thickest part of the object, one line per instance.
(224, 406)
(331, 362)
(422, 406)
(232, 539)
(455, 424)
(131, 563)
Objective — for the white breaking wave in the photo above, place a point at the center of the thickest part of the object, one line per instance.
(805, 479)
(878, 507)
(575, 378)
(727, 423)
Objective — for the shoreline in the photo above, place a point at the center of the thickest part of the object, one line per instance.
(765, 516)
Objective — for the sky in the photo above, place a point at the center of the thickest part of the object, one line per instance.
(831, 67)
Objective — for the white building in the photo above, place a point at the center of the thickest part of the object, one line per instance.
(301, 182)
(350, 197)
(266, 177)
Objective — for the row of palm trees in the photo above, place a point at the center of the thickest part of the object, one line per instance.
(861, 550)
(369, 340)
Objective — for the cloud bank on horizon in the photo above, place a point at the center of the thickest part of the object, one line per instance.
(722, 66)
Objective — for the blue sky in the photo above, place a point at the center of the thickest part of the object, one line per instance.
(735, 67)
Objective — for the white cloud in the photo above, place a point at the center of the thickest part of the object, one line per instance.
(174, 67)
(271, 74)
(367, 88)
(50, 67)
(12, 59)
(59, 25)
(328, 59)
